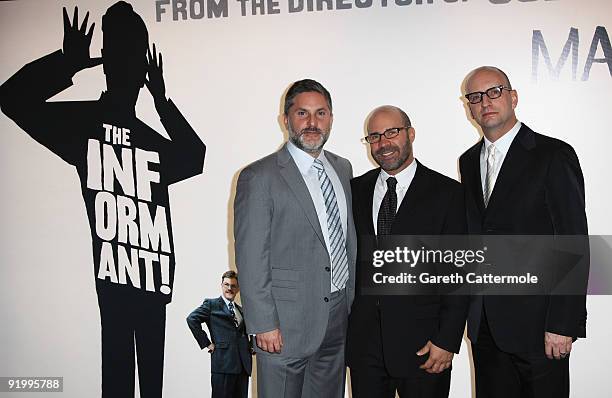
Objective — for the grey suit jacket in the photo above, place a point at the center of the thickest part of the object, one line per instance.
(281, 256)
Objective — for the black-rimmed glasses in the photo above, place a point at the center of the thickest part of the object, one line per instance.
(392, 132)
(492, 93)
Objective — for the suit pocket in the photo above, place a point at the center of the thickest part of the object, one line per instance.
(284, 274)
(284, 293)
(221, 344)
(286, 278)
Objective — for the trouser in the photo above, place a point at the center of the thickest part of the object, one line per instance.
(226, 385)
(321, 375)
(131, 328)
(370, 378)
(516, 375)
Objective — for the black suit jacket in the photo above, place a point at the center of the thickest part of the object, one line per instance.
(433, 205)
(539, 191)
(232, 351)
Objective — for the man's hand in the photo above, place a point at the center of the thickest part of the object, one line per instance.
(155, 76)
(439, 359)
(211, 348)
(77, 41)
(271, 341)
(557, 346)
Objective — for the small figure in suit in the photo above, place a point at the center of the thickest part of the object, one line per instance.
(519, 182)
(403, 343)
(228, 344)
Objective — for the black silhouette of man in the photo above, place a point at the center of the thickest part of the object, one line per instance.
(125, 168)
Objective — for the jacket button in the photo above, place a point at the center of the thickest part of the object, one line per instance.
(327, 269)
(325, 299)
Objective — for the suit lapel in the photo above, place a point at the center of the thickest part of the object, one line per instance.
(515, 163)
(345, 180)
(293, 178)
(417, 188)
(366, 201)
(239, 310)
(474, 171)
(369, 201)
(222, 306)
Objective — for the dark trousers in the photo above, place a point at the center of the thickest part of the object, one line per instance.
(132, 328)
(376, 382)
(370, 378)
(226, 385)
(524, 375)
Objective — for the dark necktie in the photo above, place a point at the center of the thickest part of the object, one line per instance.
(388, 207)
(231, 309)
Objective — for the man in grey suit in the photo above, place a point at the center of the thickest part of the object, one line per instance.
(229, 345)
(295, 250)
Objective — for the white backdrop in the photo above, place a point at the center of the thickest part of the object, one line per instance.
(227, 75)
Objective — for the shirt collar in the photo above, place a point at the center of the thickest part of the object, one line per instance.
(404, 177)
(302, 159)
(226, 301)
(504, 142)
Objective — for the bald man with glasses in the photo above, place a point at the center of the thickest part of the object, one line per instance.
(396, 343)
(518, 182)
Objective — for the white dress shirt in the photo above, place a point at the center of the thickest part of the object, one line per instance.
(404, 179)
(310, 175)
(502, 145)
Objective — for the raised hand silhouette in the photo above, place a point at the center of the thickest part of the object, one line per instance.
(77, 41)
(155, 75)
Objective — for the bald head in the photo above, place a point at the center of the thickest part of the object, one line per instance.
(391, 110)
(484, 70)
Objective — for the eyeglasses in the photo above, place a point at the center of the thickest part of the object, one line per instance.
(373, 138)
(230, 286)
(492, 93)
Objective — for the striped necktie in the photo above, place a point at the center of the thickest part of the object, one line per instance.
(230, 305)
(337, 244)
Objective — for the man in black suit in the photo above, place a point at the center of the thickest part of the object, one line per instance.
(403, 343)
(228, 343)
(520, 182)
